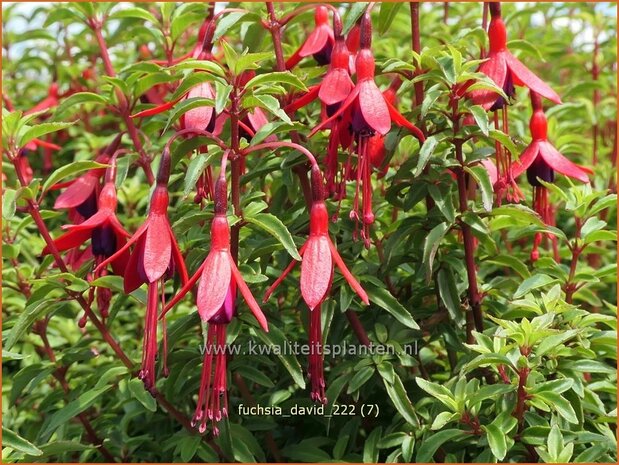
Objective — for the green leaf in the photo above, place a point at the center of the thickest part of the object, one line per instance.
(8, 203)
(504, 140)
(188, 447)
(211, 67)
(250, 61)
(183, 107)
(222, 92)
(278, 342)
(267, 102)
(6, 355)
(588, 366)
(80, 98)
(439, 392)
(399, 397)
(559, 404)
(254, 375)
(425, 152)
(555, 442)
(487, 359)
(449, 293)
(360, 378)
(69, 170)
(148, 81)
(274, 127)
(195, 169)
(388, 12)
(492, 391)
(143, 397)
(277, 78)
(225, 23)
(30, 375)
(383, 298)
(137, 13)
(354, 13)
(192, 80)
(433, 441)
(482, 179)
(33, 132)
(497, 441)
(511, 262)
(534, 282)
(16, 442)
(72, 409)
(591, 225)
(430, 247)
(518, 212)
(274, 226)
(370, 448)
(27, 317)
(443, 418)
(481, 118)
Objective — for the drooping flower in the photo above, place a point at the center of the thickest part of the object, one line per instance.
(366, 112)
(540, 160)
(82, 193)
(106, 235)
(319, 257)
(219, 271)
(318, 44)
(505, 69)
(219, 279)
(155, 258)
(336, 84)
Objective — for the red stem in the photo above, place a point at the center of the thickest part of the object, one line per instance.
(124, 109)
(469, 245)
(274, 27)
(59, 374)
(33, 209)
(570, 286)
(520, 409)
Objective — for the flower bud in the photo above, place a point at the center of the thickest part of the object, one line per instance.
(221, 196)
(366, 31)
(163, 176)
(337, 25)
(318, 188)
(495, 9)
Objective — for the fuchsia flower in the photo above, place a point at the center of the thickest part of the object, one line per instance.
(319, 255)
(505, 69)
(81, 194)
(364, 114)
(107, 236)
(155, 258)
(219, 278)
(336, 84)
(540, 160)
(319, 44)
